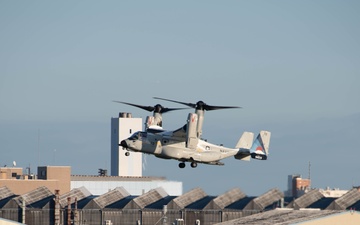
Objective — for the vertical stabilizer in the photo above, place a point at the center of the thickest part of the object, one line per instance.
(245, 141)
(265, 137)
(260, 147)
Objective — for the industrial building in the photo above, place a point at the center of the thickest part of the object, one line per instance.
(118, 206)
(60, 178)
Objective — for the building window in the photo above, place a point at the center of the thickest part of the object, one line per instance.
(130, 131)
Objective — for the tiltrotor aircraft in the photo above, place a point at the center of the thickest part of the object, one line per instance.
(185, 144)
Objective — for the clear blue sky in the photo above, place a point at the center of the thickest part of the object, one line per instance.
(292, 65)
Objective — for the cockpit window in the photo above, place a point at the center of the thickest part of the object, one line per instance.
(135, 136)
(138, 135)
(143, 134)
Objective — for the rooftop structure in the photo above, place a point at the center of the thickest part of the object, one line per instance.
(123, 127)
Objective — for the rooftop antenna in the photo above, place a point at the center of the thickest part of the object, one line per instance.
(309, 174)
(38, 147)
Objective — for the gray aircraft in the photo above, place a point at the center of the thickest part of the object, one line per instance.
(185, 144)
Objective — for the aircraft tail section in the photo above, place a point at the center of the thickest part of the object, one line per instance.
(245, 140)
(244, 144)
(260, 147)
(250, 148)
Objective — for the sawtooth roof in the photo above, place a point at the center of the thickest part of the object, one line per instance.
(148, 198)
(78, 193)
(322, 203)
(111, 197)
(5, 192)
(201, 203)
(33, 196)
(160, 203)
(265, 200)
(186, 199)
(306, 199)
(229, 197)
(348, 199)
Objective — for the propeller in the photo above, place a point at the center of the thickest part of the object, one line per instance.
(200, 105)
(156, 109)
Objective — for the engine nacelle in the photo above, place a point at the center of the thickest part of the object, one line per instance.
(191, 132)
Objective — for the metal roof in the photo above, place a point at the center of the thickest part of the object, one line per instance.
(322, 203)
(150, 197)
(226, 199)
(5, 192)
(111, 197)
(160, 203)
(34, 196)
(265, 200)
(4, 201)
(121, 203)
(201, 203)
(42, 203)
(346, 200)
(83, 202)
(187, 198)
(281, 217)
(78, 193)
(306, 199)
(241, 203)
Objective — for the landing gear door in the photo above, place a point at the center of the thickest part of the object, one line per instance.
(191, 137)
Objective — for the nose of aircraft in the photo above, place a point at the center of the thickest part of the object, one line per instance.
(123, 144)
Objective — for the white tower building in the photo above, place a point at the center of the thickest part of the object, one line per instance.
(121, 128)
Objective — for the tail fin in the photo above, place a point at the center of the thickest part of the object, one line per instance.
(244, 144)
(260, 147)
(245, 140)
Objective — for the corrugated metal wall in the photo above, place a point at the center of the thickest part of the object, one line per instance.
(122, 216)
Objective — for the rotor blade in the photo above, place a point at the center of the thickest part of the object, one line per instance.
(164, 110)
(184, 103)
(210, 107)
(200, 105)
(147, 108)
(157, 108)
